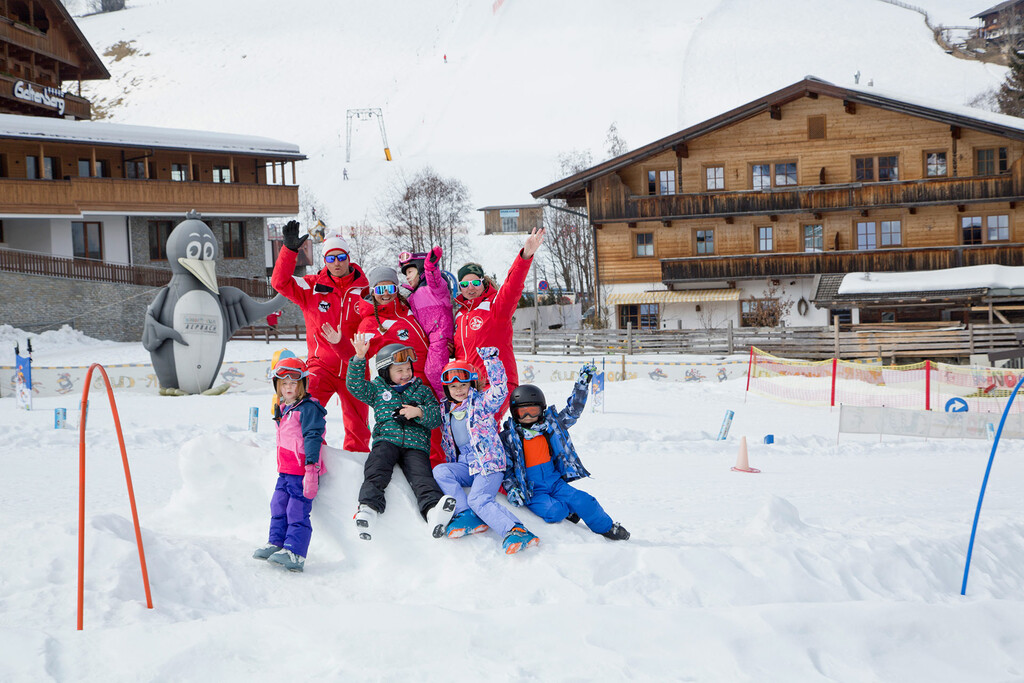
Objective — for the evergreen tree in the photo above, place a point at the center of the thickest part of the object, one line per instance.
(1011, 93)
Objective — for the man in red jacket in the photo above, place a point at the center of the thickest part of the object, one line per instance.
(328, 302)
(484, 313)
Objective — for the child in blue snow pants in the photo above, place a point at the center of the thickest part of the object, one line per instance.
(452, 476)
(289, 515)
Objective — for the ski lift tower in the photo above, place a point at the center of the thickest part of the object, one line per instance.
(364, 114)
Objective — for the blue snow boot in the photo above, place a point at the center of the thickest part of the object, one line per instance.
(266, 551)
(465, 523)
(518, 538)
(288, 560)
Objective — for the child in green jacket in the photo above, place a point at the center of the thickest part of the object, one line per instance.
(405, 411)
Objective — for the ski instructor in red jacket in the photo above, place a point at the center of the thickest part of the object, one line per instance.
(328, 302)
(483, 316)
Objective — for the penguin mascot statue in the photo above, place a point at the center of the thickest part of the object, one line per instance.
(190, 321)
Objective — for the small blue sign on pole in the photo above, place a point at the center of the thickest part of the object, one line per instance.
(254, 421)
(60, 417)
(956, 405)
(723, 433)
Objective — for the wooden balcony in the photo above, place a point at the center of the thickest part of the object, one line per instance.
(611, 206)
(75, 106)
(77, 195)
(814, 263)
(30, 263)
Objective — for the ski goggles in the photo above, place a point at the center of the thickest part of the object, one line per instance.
(331, 258)
(467, 283)
(385, 289)
(528, 411)
(403, 356)
(288, 373)
(457, 375)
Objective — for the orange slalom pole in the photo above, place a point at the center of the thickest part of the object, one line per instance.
(81, 490)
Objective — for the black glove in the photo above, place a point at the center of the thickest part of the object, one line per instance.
(291, 236)
(402, 419)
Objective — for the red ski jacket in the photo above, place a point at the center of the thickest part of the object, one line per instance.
(487, 321)
(323, 299)
(400, 327)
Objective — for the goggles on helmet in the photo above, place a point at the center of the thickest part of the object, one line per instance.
(385, 289)
(285, 372)
(403, 356)
(467, 283)
(528, 411)
(331, 258)
(457, 375)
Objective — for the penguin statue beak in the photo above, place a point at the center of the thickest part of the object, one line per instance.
(205, 271)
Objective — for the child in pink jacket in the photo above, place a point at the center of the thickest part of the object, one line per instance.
(431, 303)
(300, 433)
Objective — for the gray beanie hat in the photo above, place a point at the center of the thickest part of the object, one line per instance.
(383, 274)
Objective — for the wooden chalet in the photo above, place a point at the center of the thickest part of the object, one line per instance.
(512, 218)
(94, 202)
(721, 221)
(1001, 19)
(41, 48)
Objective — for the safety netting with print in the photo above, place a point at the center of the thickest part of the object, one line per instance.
(922, 386)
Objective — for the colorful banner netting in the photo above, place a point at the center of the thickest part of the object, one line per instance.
(921, 386)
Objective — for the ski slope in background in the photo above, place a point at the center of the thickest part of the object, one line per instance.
(522, 84)
(839, 562)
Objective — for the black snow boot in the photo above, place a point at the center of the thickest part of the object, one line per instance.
(572, 517)
(616, 533)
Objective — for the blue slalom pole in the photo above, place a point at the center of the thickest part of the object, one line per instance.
(984, 482)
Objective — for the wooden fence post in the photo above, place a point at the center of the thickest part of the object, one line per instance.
(835, 329)
(629, 341)
(728, 336)
(533, 340)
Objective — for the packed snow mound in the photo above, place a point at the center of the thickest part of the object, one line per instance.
(778, 516)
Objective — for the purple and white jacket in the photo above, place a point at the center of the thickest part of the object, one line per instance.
(486, 455)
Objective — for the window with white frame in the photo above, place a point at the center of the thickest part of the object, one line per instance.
(705, 241)
(866, 238)
(890, 233)
(644, 244)
(661, 182)
(814, 237)
(764, 238)
(715, 177)
(998, 228)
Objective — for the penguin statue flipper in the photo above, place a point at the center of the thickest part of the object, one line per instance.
(240, 310)
(154, 332)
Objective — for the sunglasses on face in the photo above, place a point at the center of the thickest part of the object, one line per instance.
(457, 375)
(467, 283)
(385, 289)
(287, 373)
(331, 258)
(527, 411)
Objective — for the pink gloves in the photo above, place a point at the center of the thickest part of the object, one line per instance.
(433, 258)
(310, 482)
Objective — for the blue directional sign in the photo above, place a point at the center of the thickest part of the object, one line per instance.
(956, 405)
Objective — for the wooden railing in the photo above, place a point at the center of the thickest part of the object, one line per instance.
(76, 195)
(30, 263)
(266, 332)
(813, 263)
(810, 199)
(798, 342)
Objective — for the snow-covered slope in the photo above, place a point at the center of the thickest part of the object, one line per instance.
(839, 562)
(524, 79)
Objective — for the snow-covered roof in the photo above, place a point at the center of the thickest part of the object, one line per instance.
(999, 280)
(122, 135)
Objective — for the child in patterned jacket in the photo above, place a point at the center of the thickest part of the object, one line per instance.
(300, 433)
(476, 458)
(542, 459)
(405, 412)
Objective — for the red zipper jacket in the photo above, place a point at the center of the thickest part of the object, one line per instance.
(323, 299)
(487, 321)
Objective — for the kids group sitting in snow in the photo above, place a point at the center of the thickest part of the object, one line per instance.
(426, 409)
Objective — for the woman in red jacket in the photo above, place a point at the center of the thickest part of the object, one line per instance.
(484, 313)
(387, 319)
(328, 301)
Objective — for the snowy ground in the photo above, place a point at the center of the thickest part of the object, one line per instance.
(837, 562)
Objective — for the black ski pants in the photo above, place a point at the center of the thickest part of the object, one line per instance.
(380, 465)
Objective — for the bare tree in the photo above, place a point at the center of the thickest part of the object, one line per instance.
(568, 255)
(426, 210)
(770, 309)
(370, 244)
(613, 142)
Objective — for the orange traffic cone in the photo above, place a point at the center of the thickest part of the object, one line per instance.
(742, 465)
